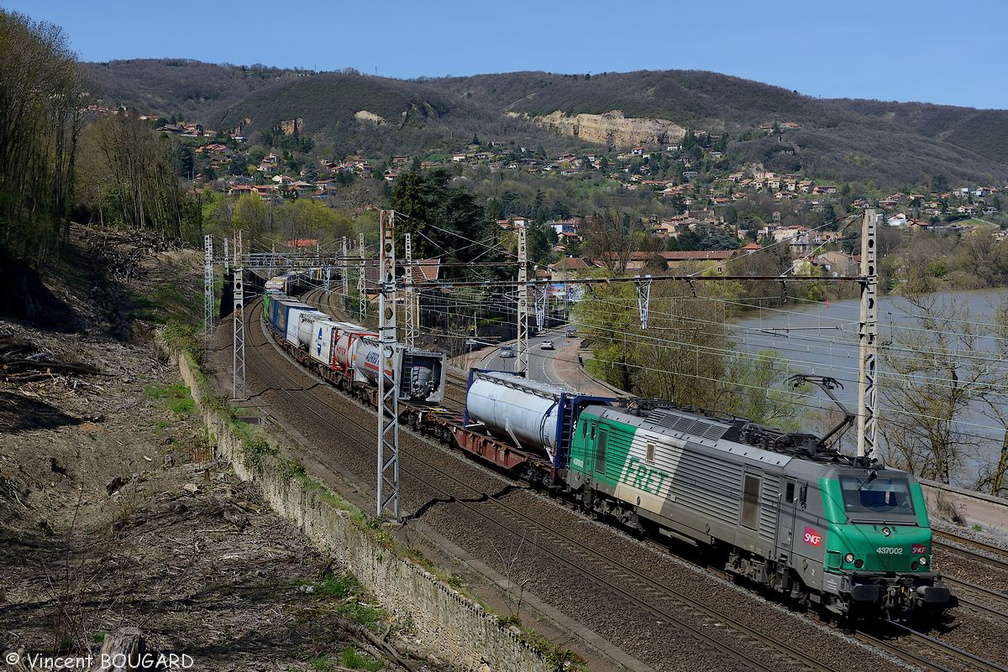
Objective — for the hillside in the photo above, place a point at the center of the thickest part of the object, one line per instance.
(115, 515)
(892, 144)
(180, 87)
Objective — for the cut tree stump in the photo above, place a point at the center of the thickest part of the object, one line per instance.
(123, 651)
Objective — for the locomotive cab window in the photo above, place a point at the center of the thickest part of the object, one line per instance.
(750, 501)
(649, 457)
(880, 495)
(789, 492)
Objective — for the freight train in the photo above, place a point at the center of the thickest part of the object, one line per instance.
(780, 509)
(288, 283)
(350, 356)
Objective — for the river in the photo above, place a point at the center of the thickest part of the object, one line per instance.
(822, 339)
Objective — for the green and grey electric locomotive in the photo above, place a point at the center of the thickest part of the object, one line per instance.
(851, 535)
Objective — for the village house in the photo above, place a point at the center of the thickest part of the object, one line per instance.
(806, 265)
(564, 226)
(898, 220)
(239, 189)
(838, 264)
(568, 268)
(683, 261)
(782, 233)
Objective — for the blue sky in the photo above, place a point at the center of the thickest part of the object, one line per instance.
(937, 52)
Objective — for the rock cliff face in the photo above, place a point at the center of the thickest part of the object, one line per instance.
(369, 117)
(612, 128)
(290, 126)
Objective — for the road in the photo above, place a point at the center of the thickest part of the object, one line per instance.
(558, 367)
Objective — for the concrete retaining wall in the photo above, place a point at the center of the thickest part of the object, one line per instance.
(989, 514)
(467, 634)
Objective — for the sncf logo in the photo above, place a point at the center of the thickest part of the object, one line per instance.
(918, 549)
(812, 537)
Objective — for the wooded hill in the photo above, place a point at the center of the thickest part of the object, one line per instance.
(892, 144)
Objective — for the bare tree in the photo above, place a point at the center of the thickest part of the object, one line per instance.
(145, 192)
(680, 357)
(939, 369)
(40, 102)
(992, 476)
(608, 237)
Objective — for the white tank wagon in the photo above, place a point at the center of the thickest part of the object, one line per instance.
(534, 416)
(301, 326)
(511, 406)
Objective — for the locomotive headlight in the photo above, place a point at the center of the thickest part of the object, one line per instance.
(923, 560)
(849, 558)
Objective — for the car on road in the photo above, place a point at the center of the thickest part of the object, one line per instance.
(571, 332)
(546, 345)
(506, 352)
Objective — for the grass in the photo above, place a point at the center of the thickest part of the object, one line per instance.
(175, 397)
(341, 586)
(348, 600)
(349, 659)
(255, 449)
(170, 302)
(185, 337)
(363, 614)
(289, 468)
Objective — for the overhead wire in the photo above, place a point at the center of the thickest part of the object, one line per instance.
(498, 302)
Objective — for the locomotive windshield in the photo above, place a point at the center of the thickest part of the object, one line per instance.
(881, 495)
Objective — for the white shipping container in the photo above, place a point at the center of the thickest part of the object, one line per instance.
(323, 338)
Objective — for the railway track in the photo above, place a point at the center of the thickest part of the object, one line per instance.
(738, 645)
(973, 548)
(988, 602)
(645, 594)
(662, 601)
(928, 653)
(986, 567)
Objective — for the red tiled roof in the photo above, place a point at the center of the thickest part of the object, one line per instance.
(571, 264)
